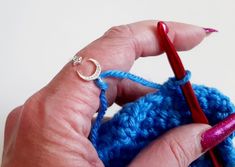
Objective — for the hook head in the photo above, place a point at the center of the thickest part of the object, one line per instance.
(163, 26)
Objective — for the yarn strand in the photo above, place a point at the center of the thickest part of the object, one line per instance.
(123, 75)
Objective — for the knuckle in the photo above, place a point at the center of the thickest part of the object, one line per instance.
(126, 35)
(13, 115)
(178, 152)
(124, 31)
(10, 127)
(18, 114)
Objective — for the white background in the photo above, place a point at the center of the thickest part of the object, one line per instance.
(38, 37)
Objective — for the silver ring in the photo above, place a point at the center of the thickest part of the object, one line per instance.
(78, 60)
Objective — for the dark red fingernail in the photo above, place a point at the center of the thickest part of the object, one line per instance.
(210, 30)
(218, 133)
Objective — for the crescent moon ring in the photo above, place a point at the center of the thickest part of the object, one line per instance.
(93, 76)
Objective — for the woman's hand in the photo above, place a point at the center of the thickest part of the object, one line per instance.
(52, 127)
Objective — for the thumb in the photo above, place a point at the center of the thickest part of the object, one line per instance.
(178, 147)
(181, 146)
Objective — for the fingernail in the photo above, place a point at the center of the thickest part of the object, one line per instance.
(210, 30)
(218, 133)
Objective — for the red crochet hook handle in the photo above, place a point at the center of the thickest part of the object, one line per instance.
(198, 115)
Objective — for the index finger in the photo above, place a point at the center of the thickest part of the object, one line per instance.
(117, 49)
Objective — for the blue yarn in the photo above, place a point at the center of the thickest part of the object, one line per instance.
(120, 139)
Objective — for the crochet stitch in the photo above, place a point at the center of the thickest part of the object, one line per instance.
(120, 139)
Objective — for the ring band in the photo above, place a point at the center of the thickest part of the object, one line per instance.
(78, 60)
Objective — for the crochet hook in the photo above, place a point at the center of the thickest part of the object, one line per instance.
(198, 115)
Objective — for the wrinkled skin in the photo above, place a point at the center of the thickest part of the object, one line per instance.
(51, 127)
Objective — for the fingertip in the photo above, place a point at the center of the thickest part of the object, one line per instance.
(185, 36)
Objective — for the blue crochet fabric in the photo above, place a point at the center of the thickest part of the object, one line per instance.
(138, 123)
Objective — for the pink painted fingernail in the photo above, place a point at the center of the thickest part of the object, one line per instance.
(210, 30)
(218, 133)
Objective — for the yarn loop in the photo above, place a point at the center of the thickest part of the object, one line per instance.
(174, 83)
